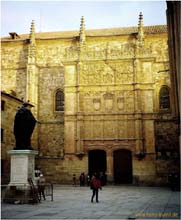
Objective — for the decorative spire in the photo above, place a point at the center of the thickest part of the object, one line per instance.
(82, 32)
(32, 33)
(32, 45)
(140, 30)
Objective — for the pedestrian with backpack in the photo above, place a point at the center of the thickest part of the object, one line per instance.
(95, 185)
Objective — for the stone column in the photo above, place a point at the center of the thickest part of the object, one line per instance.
(139, 133)
(110, 172)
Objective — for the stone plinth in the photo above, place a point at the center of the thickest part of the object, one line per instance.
(22, 167)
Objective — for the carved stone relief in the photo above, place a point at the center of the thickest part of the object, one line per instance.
(97, 103)
(160, 50)
(91, 74)
(117, 50)
(129, 101)
(97, 129)
(120, 103)
(107, 101)
(87, 130)
(109, 129)
(121, 125)
(146, 72)
(106, 73)
(147, 101)
(112, 50)
(145, 51)
(71, 52)
(94, 53)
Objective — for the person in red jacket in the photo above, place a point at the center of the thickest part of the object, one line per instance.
(95, 185)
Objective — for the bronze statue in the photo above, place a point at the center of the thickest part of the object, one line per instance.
(24, 124)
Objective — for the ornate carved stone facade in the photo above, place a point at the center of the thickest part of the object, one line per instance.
(111, 81)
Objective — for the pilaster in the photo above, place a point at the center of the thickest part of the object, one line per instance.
(79, 126)
(137, 94)
(70, 117)
(32, 72)
(140, 36)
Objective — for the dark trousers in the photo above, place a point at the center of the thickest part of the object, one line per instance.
(41, 190)
(94, 192)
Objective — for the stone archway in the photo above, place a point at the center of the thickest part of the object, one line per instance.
(123, 166)
(97, 161)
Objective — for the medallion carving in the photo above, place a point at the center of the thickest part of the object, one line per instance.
(97, 103)
(120, 103)
(108, 99)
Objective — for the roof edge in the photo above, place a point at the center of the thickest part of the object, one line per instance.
(154, 29)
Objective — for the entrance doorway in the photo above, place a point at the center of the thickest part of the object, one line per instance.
(122, 166)
(97, 161)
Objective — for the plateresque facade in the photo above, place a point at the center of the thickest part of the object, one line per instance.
(102, 98)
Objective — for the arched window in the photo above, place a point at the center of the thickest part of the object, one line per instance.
(59, 101)
(164, 98)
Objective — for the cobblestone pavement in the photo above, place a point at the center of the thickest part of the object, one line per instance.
(116, 202)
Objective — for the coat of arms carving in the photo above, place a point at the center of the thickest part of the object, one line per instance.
(120, 103)
(97, 103)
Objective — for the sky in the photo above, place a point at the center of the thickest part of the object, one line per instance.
(16, 16)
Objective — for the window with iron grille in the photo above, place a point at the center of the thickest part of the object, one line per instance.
(164, 98)
(59, 101)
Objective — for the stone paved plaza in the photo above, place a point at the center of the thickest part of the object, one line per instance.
(116, 202)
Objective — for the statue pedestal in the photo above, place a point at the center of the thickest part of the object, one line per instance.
(22, 168)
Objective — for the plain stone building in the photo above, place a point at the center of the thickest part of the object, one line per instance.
(9, 106)
(103, 99)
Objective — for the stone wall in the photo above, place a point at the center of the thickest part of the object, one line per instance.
(11, 105)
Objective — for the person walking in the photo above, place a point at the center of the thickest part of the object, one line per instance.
(74, 180)
(82, 179)
(41, 186)
(95, 185)
(88, 179)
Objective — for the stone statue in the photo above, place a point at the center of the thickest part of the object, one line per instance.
(24, 124)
